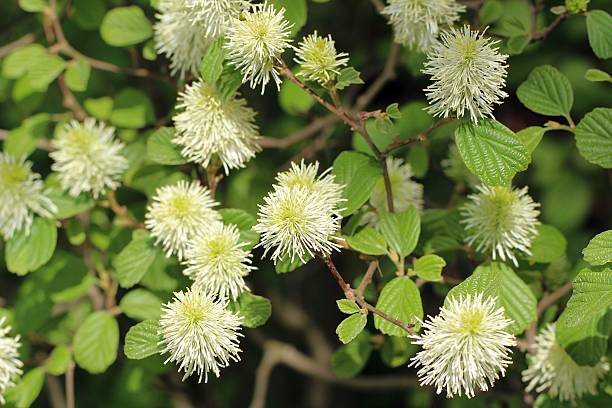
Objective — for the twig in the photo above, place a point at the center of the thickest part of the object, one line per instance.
(379, 5)
(545, 302)
(56, 395)
(21, 42)
(396, 143)
(302, 134)
(387, 74)
(367, 278)
(70, 385)
(69, 101)
(121, 211)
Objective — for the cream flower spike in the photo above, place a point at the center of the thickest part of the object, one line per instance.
(318, 59)
(10, 365)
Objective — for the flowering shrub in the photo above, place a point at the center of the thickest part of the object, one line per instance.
(406, 199)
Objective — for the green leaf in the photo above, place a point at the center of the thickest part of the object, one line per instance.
(132, 109)
(99, 108)
(401, 230)
(393, 111)
(162, 150)
(295, 12)
(88, 14)
(599, 30)
(597, 75)
(584, 326)
(96, 342)
(400, 299)
(599, 250)
(240, 218)
(490, 12)
(212, 62)
(293, 99)
(350, 359)
(517, 44)
(348, 76)
(58, 360)
(255, 310)
(429, 267)
(396, 351)
(368, 241)
(491, 151)
(77, 76)
(350, 327)
(68, 277)
(26, 253)
(358, 174)
(27, 389)
(67, 205)
(140, 304)
(33, 6)
(44, 71)
(134, 260)
(594, 137)
(548, 246)
(143, 340)
(123, 26)
(531, 137)
(18, 62)
(347, 306)
(22, 141)
(547, 92)
(286, 264)
(498, 280)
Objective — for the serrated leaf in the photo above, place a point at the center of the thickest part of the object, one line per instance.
(77, 76)
(401, 230)
(58, 360)
(548, 246)
(599, 250)
(599, 30)
(368, 241)
(347, 306)
(96, 342)
(597, 75)
(531, 137)
(358, 174)
(27, 389)
(255, 310)
(429, 267)
(162, 150)
(350, 327)
(584, 326)
(498, 280)
(400, 299)
(594, 137)
(350, 359)
(212, 62)
(547, 92)
(491, 151)
(140, 304)
(143, 340)
(134, 260)
(26, 253)
(348, 76)
(123, 26)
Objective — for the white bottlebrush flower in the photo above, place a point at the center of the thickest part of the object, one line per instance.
(22, 194)
(178, 214)
(465, 347)
(183, 43)
(500, 220)
(553, 371)
(454, 167)
(300, 216)
(88, 158)
(213, 125)
(468, 75)
(318, 59)
(214, 16)
(199, 333)
(256, 42)
(406, 192)
(217, 261)
(417, 23)
(10, 365)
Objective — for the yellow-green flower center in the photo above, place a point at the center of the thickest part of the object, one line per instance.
(11, 175)
(181, 206)
(471, 321)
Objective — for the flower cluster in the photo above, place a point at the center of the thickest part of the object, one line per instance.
(88, 158)
(300, 216)
(553, 371)
(468, 75)
(10, 365)
(22, 194)
(217, 261)
(417, 23)
(200, 333)
(318, 59)
(256, 42)
(466, 347)
(178, 214)
(501, 220)
(186, 28)
(214, 125)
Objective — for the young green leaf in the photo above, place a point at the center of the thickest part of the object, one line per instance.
(599, 250)
(400, 299)
(162, 150)
(599, 30)
(58, 360)
(26, 391)
(96, 342)
(358, 174)
(348, 76)
(124, 26)
(594, 137)
(347, 306)
(350, 359)
(134, 260)
(140, 304)
(548, 246)
(429, 267)
(547, 92)
(350, 327)
(26, 253)
(77, 75)
(212, 62)
(368, 241)
(597, 75)
(255, 310)
(143, 340)
(401, 230)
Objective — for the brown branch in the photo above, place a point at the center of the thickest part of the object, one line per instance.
(21, 42)
(302, 134)
(378, 5)
(387, 74)
(121, 211)
(396, 143)
(69, 101)
(367, 278)
(70, 385)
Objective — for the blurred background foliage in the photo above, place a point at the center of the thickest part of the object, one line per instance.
(575, 195)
